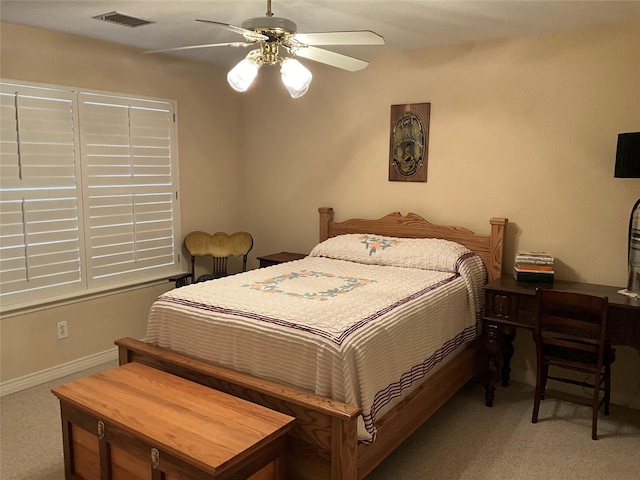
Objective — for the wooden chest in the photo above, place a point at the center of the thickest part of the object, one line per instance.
(135, 422)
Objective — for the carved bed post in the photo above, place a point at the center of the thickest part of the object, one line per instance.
(326, 216)
(498, 226)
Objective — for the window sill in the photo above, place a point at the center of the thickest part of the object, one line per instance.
(29, 307)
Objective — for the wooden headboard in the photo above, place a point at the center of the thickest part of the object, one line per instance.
(487, 246)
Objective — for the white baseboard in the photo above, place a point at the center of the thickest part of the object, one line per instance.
(59, 371)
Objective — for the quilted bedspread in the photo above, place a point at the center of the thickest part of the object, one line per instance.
(357, 333)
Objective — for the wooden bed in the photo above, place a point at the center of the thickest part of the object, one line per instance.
(323, 441)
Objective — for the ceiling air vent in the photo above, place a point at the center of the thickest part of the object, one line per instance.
(122, 19)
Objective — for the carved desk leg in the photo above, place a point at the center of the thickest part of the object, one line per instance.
(508, 334)
(493, 349)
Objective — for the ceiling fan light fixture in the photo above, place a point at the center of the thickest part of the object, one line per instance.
(243, 74)
(295, 76)
(272, 34)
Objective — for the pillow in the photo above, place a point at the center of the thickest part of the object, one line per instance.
(424, 253)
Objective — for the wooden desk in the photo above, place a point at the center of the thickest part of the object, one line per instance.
(510, 305)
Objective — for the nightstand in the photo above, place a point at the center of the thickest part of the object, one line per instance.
(277, 258)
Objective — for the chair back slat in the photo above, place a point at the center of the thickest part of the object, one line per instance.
(577, 327)
(219, 266)
(567, 313)
(571, 343)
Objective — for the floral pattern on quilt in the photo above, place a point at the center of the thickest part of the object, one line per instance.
(286, 285)
(372, 243)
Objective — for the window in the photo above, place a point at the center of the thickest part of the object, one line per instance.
(88, 192)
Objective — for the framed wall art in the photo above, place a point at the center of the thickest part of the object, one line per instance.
(409, 142)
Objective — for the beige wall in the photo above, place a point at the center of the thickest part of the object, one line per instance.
(522, 128)
(210, 133)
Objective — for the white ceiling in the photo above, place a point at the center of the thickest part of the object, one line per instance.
(405, 25)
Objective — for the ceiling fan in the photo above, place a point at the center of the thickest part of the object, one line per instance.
(272, 35)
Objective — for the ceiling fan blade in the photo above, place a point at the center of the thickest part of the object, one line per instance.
(359, 37)
(331, 58)
(248, 34)
(206, 45)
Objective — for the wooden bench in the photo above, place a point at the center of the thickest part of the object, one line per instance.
(136, 422)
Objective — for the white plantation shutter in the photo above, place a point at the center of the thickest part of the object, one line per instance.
(129, 187)
(88, 192)
(40, 226)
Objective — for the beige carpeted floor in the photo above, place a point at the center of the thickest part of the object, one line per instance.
(464, 440)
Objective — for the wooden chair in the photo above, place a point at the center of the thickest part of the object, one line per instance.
(570, 333)
(219, 246)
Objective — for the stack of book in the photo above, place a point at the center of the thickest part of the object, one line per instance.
(533, 267)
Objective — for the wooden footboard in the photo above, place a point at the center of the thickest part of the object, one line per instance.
(322, 444)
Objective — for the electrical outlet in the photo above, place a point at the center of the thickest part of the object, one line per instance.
(62, 329)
